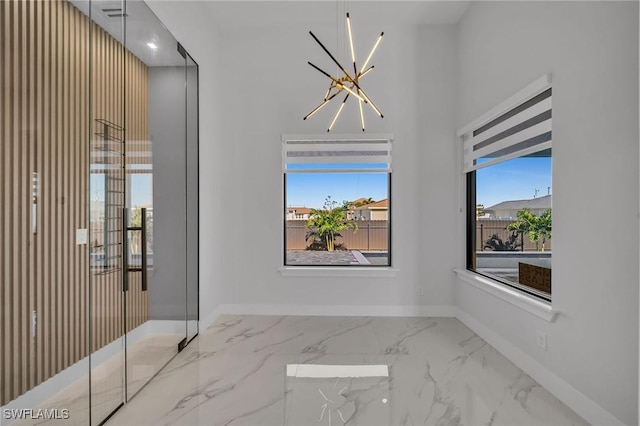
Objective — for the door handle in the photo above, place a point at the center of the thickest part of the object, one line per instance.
(143, 247)
(125, 250)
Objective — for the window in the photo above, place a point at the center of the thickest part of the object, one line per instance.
(507, 161)
(337, 202)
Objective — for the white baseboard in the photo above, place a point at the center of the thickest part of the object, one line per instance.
(166, 327)
(208, 320)
(340, 310)
(47, 389)
(574, 399)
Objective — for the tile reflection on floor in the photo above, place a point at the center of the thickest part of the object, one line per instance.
(250, 370)
(337, 394)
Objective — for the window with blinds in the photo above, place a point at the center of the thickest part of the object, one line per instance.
(337, 205)
(506, 157)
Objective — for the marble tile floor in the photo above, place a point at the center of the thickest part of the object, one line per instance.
(147, 356)
(300, 371)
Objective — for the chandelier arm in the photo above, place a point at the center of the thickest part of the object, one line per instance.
(324, 72)
(362, 74)
(326, 101)
(374, 49)
(351, 79)
(338, 112)
(368, 100)
(328, 92)
(361, 115)
(353, 52)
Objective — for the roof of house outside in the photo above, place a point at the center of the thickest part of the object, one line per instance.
(359, 200)
(299, 210)
(382, 204)
(543, 202)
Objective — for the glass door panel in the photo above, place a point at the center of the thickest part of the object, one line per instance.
(156, 297)
(99, 141)
(107, 201)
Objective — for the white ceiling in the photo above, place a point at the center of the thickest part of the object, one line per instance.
(264, 14)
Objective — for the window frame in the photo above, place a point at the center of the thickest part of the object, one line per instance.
(525, 95)
(324, 267)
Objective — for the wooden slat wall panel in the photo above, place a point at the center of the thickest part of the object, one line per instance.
(44, 127)
(6, 173)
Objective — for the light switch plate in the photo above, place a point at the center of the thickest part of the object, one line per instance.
(82, 236)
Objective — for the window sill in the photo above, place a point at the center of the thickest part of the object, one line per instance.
(539, 308)
(337, 271)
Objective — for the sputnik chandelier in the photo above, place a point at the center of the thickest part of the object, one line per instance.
(347, 82)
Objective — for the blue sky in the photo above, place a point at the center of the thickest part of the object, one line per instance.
(141, 188)
(311, 189)
(515, 179)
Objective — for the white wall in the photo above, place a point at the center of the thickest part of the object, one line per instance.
(591, 49)
(268, 89)
(193, 29)
(257, 86)
(167, 296)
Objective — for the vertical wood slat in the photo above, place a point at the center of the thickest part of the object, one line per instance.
(82, 173)
(23, 195)
(4, 302)
(71, 185)
(64, 188)
(44, 128)
(44, 207)
(13, 189)
(5, 43)
(32, 159)
(58, 147)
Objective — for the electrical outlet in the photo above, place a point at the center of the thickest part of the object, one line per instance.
(541, 340)
(420, 291)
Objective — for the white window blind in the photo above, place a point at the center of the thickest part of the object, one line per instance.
(317, 155)
(518, 127)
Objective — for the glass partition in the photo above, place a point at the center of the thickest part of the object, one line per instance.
(107, 189)
(156, 168)
(99, 144)
(192, 188)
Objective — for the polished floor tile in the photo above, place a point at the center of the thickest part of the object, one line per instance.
(144, 359)
(299, 371)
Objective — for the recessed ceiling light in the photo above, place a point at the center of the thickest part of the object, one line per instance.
(152, 45)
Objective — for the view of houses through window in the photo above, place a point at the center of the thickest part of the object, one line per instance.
(513, 223)
(337, 219)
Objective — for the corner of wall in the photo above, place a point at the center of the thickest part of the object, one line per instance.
(574, 399)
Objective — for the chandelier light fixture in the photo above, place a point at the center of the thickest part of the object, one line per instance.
(349, 83)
